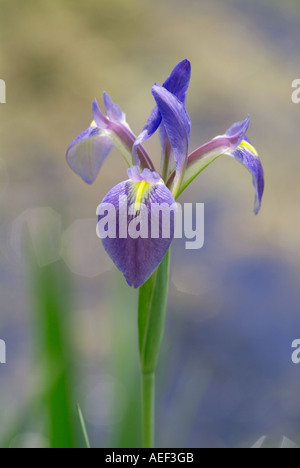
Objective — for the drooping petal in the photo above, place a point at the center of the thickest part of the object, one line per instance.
(141, 223)
(248, 157)
(177, 83)
(88, 152)
(233, 143)
(199, 159)
(177, 125)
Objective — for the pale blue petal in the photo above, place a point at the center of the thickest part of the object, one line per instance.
(88, 152)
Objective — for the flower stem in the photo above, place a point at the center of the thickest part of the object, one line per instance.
(148, 408)
(151, 322)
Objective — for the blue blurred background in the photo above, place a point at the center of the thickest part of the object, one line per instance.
(69, 321)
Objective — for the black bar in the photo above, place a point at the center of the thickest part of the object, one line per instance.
(139, 457)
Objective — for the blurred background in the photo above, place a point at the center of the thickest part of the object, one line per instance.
(225, 377)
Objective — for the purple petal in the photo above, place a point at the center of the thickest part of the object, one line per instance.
(100, 119)
(164, 140)
(120, 133)
(236, 133)
(88, 152)
(151, 177)
(177, 125)
(199, 159)
(150, 128)
(133, 247)
(113, 111)
(246, 155)
(233, 143)
(134, 174)
(147, 175)
(177, 83)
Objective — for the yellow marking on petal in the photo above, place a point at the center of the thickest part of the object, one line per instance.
(248, 145)
(93, 124)
(142, 190)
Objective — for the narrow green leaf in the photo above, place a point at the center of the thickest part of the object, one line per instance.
(124, 402)
(51, 291)
(83, 427)
(52, 307)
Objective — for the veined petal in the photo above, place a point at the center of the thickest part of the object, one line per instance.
(88, 152)
(179, 80)
(100, 119)
(237, 132)
(139, 240)
(166, 151)
(177, 125)
(203, 156)
(120, 134)
(233, 143)
(247, 155)
(177, 83)
(113, 111)
(134, 174)
(150, 128)
(147, 176)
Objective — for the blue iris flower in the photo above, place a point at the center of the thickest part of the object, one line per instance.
(136, 256)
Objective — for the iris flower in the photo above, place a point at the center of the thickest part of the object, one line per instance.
(137, 258)
(142, 258)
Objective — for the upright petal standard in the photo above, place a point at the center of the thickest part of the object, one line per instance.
(178, 126)
(177, 84)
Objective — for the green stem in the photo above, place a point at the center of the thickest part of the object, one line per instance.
(148, 408)
(151, 323)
